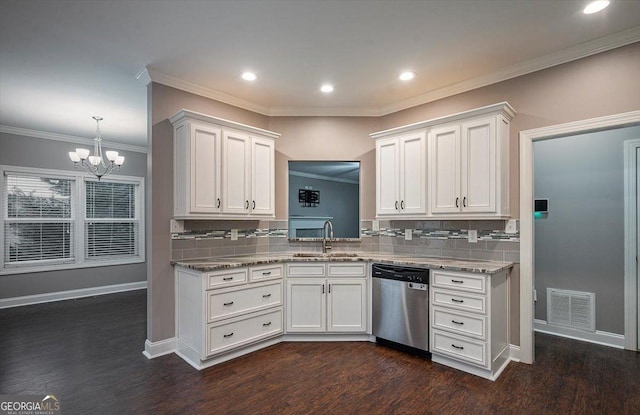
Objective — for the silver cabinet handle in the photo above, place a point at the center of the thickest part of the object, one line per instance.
(457, 347)
(266, 324)
(266, 295)
(229, 303)
(227, 335)
(457, 301)
(227, 278)
(266, 273)
(460, 323)
(457, 281)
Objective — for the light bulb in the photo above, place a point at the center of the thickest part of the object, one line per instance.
(83, 153)
(111, 155)
(407, 76)
(74, 156)
(326, 88)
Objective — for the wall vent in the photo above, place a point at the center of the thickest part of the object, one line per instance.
(575, 309)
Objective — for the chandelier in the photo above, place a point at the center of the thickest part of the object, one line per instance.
(95, 164)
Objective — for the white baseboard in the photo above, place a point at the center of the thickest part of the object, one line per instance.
(68, 295)
(598, 337)
(514, 352)
(157, 349)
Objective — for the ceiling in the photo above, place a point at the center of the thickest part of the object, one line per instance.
(63, 61)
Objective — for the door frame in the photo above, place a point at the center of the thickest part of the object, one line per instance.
(631, 293)
(527, 137)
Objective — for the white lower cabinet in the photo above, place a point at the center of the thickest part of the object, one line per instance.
(469, 316)
(223, 311)
(317, 305)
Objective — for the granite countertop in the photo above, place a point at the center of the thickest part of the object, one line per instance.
(450, 264)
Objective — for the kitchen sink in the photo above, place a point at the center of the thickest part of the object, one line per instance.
(321, 255)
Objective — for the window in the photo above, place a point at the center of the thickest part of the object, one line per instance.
(45, 213)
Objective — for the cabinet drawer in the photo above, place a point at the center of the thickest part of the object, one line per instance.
(230, 303)
(305, 270)
(267, 272)
(240, 331)
(468, 350)
(456, 322)
(228, 278)
(459, 281)
(460, 301)
(347, 270)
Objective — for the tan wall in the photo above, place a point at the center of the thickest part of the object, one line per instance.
(164, 102)
(326, 138)
(599, 85)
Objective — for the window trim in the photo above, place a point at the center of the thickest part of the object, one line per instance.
(78, 213)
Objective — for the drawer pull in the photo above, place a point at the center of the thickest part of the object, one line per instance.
(227, 278)
(266, 324)
(266, 295)
(227, 335)
(457, 281)
(457, 322)
(457, 347)
(266, 273)
(455, 300)
(229, 303)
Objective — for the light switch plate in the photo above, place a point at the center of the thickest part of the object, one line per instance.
(473, 236)
(234, 234)
(511, 226)
(176, 226)
(408, 235)
(375, 225)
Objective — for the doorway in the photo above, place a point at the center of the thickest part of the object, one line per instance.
(527, 210)
(632, 243)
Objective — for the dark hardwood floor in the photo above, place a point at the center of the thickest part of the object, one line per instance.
(87, 352)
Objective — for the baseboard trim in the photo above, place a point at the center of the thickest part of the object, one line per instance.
(71, 294)
(603, 338)
(514, 352)
(157, 349)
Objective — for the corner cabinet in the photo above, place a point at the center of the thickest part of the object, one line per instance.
(463, 173)
(222, 169)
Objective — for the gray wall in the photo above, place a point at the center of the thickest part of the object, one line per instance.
(49, 154)
(579, 244)
(337, 199)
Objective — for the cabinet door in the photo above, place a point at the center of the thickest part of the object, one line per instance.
(236, 168)
(444, 169)
(306, 305)
(347, 305)
(413, 174)
(479, 166)
(387, 177)
(205, 169)
(262, 176)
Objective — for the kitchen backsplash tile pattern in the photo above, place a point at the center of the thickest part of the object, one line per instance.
(447, 239)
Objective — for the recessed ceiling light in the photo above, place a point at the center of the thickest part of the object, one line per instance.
(407, 76)
(596, 6)
(249, 76)
(326, 88)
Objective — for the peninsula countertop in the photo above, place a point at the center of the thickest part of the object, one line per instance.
(450, 264)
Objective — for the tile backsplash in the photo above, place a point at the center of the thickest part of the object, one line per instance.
(445, 239)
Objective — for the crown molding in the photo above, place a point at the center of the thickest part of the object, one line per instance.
(68, 138)
(573, 53)
(184, 115)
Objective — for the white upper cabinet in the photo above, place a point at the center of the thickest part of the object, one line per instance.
(222, 169)
(466, 163)
(401, 175)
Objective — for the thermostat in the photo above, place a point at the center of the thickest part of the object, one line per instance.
(541, 206)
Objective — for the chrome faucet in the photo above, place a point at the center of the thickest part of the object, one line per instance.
(326, 244)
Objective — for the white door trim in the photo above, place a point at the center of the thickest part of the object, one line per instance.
(630, 244)
(527, 138)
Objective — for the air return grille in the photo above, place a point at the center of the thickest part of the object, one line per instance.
(575, 309)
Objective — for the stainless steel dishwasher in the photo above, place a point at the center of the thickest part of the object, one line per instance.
(401, 307)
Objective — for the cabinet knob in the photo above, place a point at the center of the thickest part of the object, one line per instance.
(457, 200)
(396, 205)
(246, 204)
(254, 205)
(218, 203)
(402, 205)
(464, 201)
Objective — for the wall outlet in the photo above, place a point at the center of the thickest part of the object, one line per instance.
(472, 236)
(375, 225)
(511, 226)
(408, 235)
(234, 234)
(176, 226)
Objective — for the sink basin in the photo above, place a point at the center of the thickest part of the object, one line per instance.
(321, 255)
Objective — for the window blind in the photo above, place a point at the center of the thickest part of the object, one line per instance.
(111, 224)
(39, 224)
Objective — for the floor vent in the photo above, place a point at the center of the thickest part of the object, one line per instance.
(575, 309)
